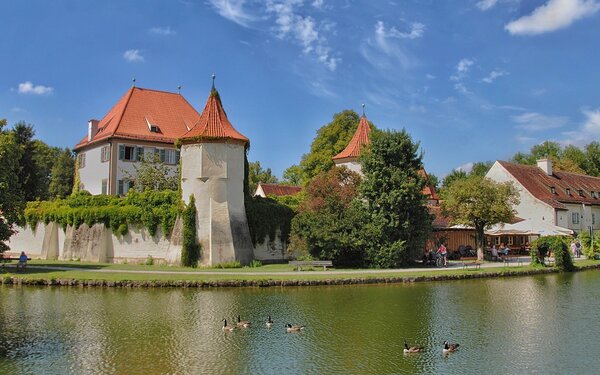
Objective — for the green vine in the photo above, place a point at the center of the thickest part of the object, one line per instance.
(190, 251)
(149, 209)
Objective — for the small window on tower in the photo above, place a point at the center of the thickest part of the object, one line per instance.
(581, 193)
(552, 189)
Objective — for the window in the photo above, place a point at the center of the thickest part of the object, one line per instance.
(593, 218)
(552, 189)
(123, 186)
(171, 157)
(575, 217)
(568, 191)
(593, 194)
(81, 160)
(160, 153)
(511, 240)
(131, 153)
(105, 186)
(581, 193)
(105, 153)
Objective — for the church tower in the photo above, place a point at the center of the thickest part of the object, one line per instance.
(349, 156)
(212, 169)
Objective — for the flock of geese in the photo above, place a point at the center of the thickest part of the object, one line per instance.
(269, 323)
(448, 348)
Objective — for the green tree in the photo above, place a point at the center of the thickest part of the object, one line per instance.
(11, 197)
(330, 219)
(257, 174)
(453, 176)
(481, 168)
(480, 202)
(293, 175)
(152, 174)
(190, 251)
(62, 175)
(592, 159)
(399, 222)
(28, 173)
(45, 158)
(331, 139)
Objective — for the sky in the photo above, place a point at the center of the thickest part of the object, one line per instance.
(471, 80)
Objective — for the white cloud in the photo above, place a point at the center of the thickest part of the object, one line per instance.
(233, 10)
(524, 139)
(305, 30)
(318, 4)
(462, 69)
(163, 31)
(429, 76)
(30, 88)
(493, 75)
(460, 87)
(588, 131)
(486, 4)
(467, 167)
(416, 31)
(532, 121)
(554, 15)
(133, 55)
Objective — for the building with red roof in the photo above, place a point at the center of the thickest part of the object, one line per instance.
(264, 190)
(568, 200)
(143, 123)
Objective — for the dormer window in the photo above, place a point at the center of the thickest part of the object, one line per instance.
(581, 193)
(593, 194)
(152, 125)
(568, 191)
(552, 189)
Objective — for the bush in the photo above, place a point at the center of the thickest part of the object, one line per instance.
(149, 261)
(558, 245)
(232, 264)
(255, 263)
(586, 244)
(190, 251)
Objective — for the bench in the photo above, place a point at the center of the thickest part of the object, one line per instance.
(512, 258)
(311, 263)
(4, 260)
(475, 265)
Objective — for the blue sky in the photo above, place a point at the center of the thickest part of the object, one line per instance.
(472, 80)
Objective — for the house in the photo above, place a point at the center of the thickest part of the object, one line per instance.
(564, 199)
(264, 190)
(142, 123)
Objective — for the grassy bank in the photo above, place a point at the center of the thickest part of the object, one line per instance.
(93, 274)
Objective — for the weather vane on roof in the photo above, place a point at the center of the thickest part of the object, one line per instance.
(363, 107)
(213, 78)
(179, 89)
(133, 80)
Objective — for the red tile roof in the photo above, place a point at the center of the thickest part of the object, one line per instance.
(213, 123)
(279, 190)
(360, 139)
(428, 190)
(539, 184)
(129, 118)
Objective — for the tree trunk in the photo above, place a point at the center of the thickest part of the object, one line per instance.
(479, 240)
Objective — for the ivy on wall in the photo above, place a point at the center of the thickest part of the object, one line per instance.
(190, 251)
(148, 209)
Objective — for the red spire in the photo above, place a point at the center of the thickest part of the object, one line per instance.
(360, 139)
(213, 123)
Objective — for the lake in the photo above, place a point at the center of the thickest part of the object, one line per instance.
(525, 325)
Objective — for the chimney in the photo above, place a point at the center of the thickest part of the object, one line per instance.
(545, 165)
(92, 129)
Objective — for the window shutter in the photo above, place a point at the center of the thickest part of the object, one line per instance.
(140, 154)
(162, 155)
(120, 187)
(177, 157)
(121, 152)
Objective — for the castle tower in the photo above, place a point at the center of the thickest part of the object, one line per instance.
(212, 169)
(349, 156)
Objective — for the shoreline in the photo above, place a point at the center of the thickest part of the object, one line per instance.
(12, 280)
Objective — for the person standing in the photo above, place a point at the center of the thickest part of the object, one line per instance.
(578, 248)
(573, 248)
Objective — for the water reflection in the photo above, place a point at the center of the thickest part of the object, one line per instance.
(504, 326)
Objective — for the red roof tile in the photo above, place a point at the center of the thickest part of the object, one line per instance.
(428, 190)
(539, 184)
(129, 118)
(360, 139)
(213, 123)
(279, 190)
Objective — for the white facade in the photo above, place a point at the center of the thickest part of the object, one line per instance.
(214, 174)
(92, 170)
(352, 165)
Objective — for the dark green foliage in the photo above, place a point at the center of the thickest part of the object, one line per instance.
(558, 246)
(62, 175)
(150, 209)
(399, 222)
(152, 174)
(190, 251)
(257, 174)
(590, 249)
(11, 198)
(265, 216)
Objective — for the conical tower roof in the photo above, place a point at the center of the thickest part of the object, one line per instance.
(213, 123)
(360, 139)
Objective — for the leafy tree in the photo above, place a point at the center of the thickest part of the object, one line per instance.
(558, 245)
(592, 159)
(45, 158)
(330, 219)
(152, 174)
(11, 198)
(257, 174)
(190, 251)
(433, 180)
(480, 202)
(28, 173)
(481, 168)
(546, 149)
(331, 139)
(453, 176)
(62, 175)
(293, 175)
(399, 222)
